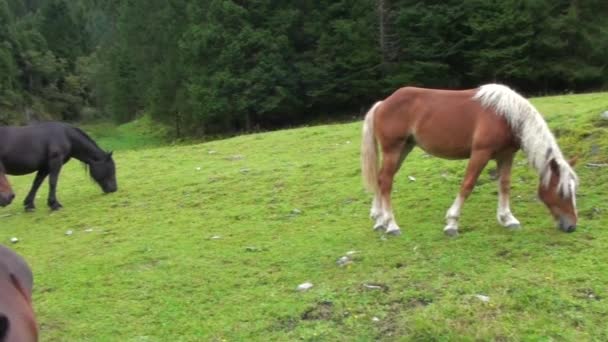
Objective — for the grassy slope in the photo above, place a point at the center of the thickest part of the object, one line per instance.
(149, 270)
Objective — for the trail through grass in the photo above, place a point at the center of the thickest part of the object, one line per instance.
(209, 241)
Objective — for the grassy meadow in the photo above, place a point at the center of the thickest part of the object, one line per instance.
(208, 242)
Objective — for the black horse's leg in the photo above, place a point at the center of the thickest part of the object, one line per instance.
(55, 163)
(29, 200)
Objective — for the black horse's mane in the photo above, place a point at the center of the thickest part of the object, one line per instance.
(86, 136)
(89, 139)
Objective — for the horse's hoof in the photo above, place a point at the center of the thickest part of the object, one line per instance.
(451, 231)
(30, 209)
(394, 232)
(56, 206)
(513, 226)
(379, 228)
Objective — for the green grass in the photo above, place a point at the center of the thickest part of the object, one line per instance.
(139, 134)
(150, 270)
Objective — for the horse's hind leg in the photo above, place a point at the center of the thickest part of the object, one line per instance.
(392, 158)
(503, 214)
(477, 162)
(29, 199)
(55, 163)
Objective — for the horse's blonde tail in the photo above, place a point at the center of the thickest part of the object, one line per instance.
(369, 152)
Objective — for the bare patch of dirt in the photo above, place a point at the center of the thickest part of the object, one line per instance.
(321, 311)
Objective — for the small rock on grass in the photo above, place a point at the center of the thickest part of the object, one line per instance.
(604, 115)
(304, 287)
(483, 298)
(69, 232)
(381, 287)
(376, 319)
(411, 178)
(346, 259)
(215, 237)
(14, 240)
(343, 261)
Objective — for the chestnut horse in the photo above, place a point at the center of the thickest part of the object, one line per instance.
(17, 319)
(490, 122)
(6, 192)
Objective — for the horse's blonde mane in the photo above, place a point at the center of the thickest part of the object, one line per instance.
(537, 141)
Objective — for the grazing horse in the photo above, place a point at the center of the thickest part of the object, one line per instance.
(45, 147)
(6, 192)
(17, 319)
(490, 122)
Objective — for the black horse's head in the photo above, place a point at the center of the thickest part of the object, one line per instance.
(104, 173)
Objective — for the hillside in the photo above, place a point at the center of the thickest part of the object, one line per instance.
(209, 241)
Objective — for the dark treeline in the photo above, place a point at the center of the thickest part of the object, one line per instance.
(228, 65)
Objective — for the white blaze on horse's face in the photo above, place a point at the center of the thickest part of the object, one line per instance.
(573, 192)
(562, 206)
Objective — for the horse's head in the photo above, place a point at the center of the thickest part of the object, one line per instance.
(6, 192)
(561, 200)
(104, 173)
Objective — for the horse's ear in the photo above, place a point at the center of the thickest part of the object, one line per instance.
(573, 161)
(4, 326)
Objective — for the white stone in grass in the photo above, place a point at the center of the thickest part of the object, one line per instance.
(198, 168)
(14, 240)
(351, 253)
(69, 232)
(212, 152)
(483, 298)
(304, 287)
(376, 319)
(343, 261)
(604, 115)
(88, 230)
(411, 178)
(216, 237)
(296, 211)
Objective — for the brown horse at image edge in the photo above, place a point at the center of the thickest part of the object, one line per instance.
(17, 318)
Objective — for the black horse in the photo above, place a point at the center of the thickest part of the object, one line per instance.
(45, 147)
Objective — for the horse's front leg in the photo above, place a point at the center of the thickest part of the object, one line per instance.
(503, 214)
(29, 199)
(477, 162)
(55, 164)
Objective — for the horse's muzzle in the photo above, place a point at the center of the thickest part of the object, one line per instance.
(110, 189)
(566, 226)
(6, 199)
